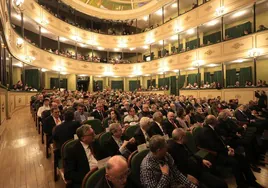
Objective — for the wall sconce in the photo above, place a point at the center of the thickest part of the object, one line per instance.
(19, 42)
(219, 11)
(18, 3)
(29, 59)
(254, 53)
(198, 63)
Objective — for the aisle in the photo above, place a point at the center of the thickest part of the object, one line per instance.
(22, 158)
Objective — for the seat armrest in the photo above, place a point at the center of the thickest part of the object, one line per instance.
(214, 153)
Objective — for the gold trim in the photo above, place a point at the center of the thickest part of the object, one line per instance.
(187, 57)
(209, 52)
(208, 8)
(237, 45)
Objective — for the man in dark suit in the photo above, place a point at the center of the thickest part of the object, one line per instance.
(117, 145)
(141, 136)
(210, 140)
(157, 128)
(80, 115)
(165, 109)
(80, 158)
(170, 123)
(190, 164)
(66, 130)
(99, 113)
(116, 175)
(51, 121)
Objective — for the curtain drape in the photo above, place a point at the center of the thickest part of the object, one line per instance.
(32, 78)
(173, 88)
(193, 44)
(207, 77)
(192, 78)
(245, 75)
(217, 77)
(116, 85)
(133, 85)
(163, 82)
(151, 83)
(230, 77)
(238, 31)
(212, 38)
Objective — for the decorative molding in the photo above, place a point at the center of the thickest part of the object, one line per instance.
(69, 63)
(237, 45)
(19, 100)
(67, 29)
(187, 57)
(32, 6)
(208, 8)
(50, 59)
(115, 68)
(3, 107)
(170, 61)
(209, 52)
(85, 66)
(34, 53)
(187, 18)
(6, 16)
(100, 67)
(237, 96)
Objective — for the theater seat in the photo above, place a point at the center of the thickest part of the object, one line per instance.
(104, 137)
(92, 177)
(96, 125)
(130, 131)
(135, 166)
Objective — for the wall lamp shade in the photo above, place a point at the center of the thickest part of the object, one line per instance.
(254, 52)
(19, 42)
(18, 3)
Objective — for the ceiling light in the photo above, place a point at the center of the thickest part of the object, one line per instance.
(76, 38)
(161, 42)
(100, 48)
(147, 75)
(131, 49)
(191, 68)
(29, 58)
(212, 65)
(254, 52)
(145, 47)
(122, 45)
(220, 11)
(176, 70)
(190, 31)
(18, 17)
(18, 64)
(145, 18)
(174, 5)
(238, 61)
(43, 30)
(18, 3)
(63, 39)
(159, 12)
(175, 37)
(20, 42)
(116, 49)
(212, 23)
(240, 13)
(83, 75)
(63, 73)
(43, 70)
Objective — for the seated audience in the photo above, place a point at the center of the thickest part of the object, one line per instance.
(117, 174)
(157, 125)
(170, 123)
(131, 117)
(145, 111)
(51, 121)
(159, 170)
(141, 136)
(44, 107)
(80, 158)
(80, 115)
(99, 112)
(117, 144)
(190, 164)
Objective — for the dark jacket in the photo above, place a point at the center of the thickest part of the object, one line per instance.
(103, 183)
(169, 127)
(97, 115)
(49, 124)
(139, 137)
(155, 130)
(65, 131)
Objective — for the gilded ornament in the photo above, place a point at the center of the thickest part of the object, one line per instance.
(209, 52)
(208, 8)
(237, 45)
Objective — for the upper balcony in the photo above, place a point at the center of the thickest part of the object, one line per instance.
(186, 21)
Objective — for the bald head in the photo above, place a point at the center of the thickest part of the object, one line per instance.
(211, 120)
(170, 116)
(117, 170)
(178, 135)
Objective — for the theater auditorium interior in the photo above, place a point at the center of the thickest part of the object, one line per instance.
(133, 93)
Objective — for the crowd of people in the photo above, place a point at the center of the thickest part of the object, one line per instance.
(233, 132)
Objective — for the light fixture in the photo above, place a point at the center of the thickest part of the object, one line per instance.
(176, 70)
(82, 75)
(100, 48)
(19, 42)
(254, 52)
(198, 63)
(29, 59)
(161, 42)
(116, 49)
(18, 17)
(190, 31)
(145, 18)
(18, 3)
(63, 73)
(174, 5)
(238, 61)
(175, 37)
(82, 45)
(212, 23)
(43, 21)
(145, 47)
(212, 65)
(43, 30)
(122, 45)
(43, 70)
(191, 68)
(76, 38)
(240, 13)
(220, 11)
(131, 49)
(18, 64)
(159, 12)
(63, 39)
(147, 75)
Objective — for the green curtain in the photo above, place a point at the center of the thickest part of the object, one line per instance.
(163, 82)
(245, 75)
(212, 38)
(238, 31)
(173, 88)
(151, 83)
(116, 85)
(98, 83)
(180, 47)
(217, 77)
(193, 44)
(192, 78)
(32, 78)
(133, 85)
(230, 77)
(54, 82)
(181, 81)
(207, 77)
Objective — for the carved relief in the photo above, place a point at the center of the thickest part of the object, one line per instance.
(129, 68)
(69, 63)
(85, 66)
(50, 59)
(238, 96)
(116, 68)
(100, 67)
(237, 45)
(50, 19)
(187, 57)
(19, 100)
(208, 8)
(84, 35)
(187, 18)
(170, 61)
(32, 6)
(169, 26)
(34, 53)
(3, 107)
(67, 29)
(209, 52)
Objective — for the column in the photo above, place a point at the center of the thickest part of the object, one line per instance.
(184, 43)
(59, 80)
(22, 25)
(91, 84)
(40, 37)
(141, 82)
(10, 71)
(222, 29)
(224, 74)
(76, 50)
(40, 79)
(126, 85)
(156, 80)
(71, 82)
(255, 71)
(201, 35)
(202, 70)
(169, 48)
(58, 43)
(23, 74)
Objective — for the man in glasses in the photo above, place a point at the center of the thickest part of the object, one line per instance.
(117, 173)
